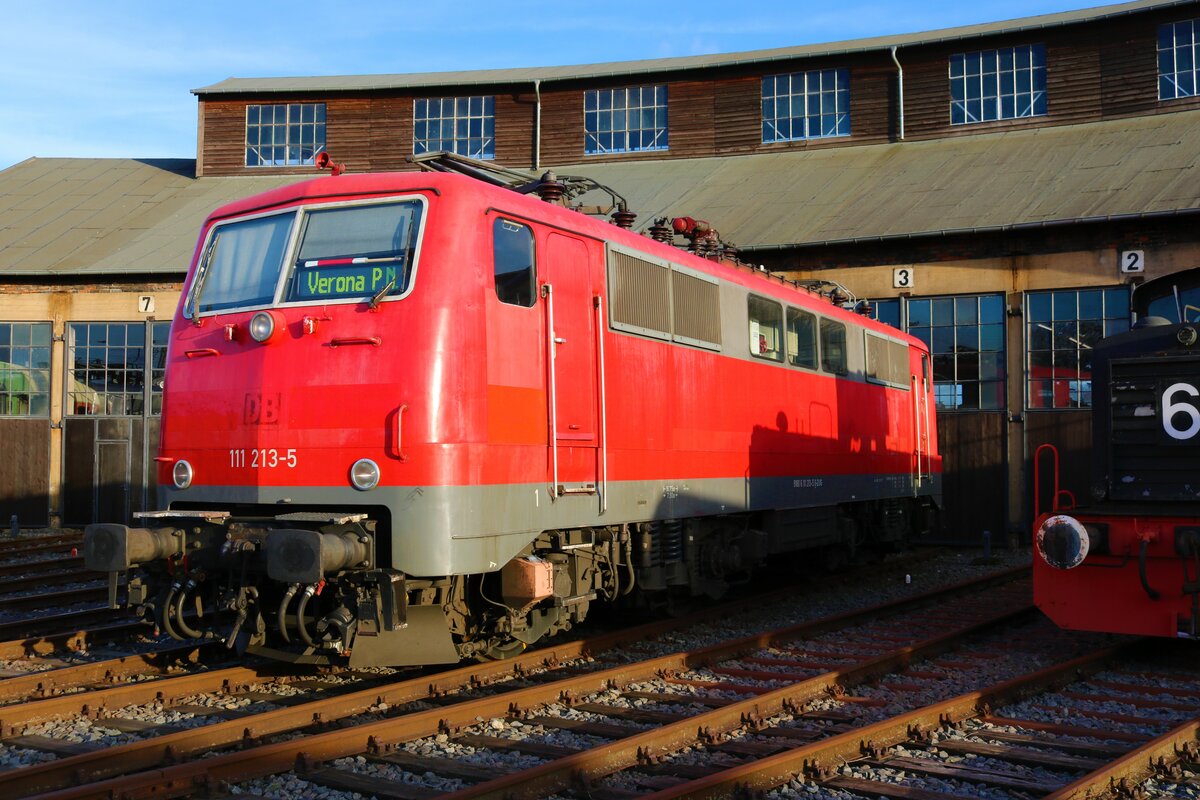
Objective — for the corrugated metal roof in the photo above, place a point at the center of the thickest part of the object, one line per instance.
(116, 216)
(1027, 177)
(358, 83)
(83, 216)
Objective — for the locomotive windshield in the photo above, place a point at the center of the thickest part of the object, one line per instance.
(1175, 297)
(358, 252)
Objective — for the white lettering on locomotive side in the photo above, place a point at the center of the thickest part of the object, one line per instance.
(1172, 408)
(263, 458)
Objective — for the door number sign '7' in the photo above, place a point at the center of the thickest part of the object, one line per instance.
(1180, 414)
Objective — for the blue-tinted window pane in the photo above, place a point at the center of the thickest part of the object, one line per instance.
(918, 313)
(943, 311)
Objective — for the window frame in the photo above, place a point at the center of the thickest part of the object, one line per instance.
(487, 124)
(196, 282)
(12, 367)
(991, 66)
(925, 332)
(153, 368)
(752, 320)
(790, 358)
(770, 96)
(890, 345)
(1172, 76)
(319, 126)
(497, 222)
(594, 114)
(828, 364)
(1050, 331)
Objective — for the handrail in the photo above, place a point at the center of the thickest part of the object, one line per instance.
(548, 293)
(598, 304)
(1037, 482)
(398, 432)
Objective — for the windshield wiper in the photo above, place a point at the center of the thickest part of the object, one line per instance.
(382, 293)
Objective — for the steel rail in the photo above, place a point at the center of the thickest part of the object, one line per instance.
(38, 544)
(85, 594)
(48, 682)
(1136, 765)
(70, 639)
(92, 704)
(776, 770)
(45, 682)
(166, 778)
(49, 565)
(23, 583)
(581, 769)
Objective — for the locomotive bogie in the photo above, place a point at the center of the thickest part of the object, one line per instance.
(414, 418)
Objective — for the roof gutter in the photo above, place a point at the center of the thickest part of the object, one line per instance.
(900, 81)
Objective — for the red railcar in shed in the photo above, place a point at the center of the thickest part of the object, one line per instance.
(415, 417)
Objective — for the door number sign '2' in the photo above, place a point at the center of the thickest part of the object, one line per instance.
(1179, 406)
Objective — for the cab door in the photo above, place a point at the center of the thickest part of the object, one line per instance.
(570, 304)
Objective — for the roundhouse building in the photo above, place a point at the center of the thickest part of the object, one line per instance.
(993, 189)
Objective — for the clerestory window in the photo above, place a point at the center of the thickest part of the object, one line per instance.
(989, 85)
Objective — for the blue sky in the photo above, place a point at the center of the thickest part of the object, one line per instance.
(88, 79)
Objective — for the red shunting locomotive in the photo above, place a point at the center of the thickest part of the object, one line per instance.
(411, 418)
(1130, 561)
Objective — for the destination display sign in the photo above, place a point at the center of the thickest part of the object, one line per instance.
(338, 278)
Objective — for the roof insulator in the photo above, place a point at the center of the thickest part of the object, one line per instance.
(623, 218)
(550, 188)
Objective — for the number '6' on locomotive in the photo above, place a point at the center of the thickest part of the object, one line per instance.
(1129, 562)
(411, 418)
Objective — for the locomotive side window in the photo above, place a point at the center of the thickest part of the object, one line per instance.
(833, 347)
(242, 264)
(801, 338)
(360, 251)
(887, 361)
(766, 328)
(514, 263)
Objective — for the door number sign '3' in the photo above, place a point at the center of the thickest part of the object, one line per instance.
(904, 278)
(1180, 414)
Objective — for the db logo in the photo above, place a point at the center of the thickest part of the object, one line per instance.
(262, 409)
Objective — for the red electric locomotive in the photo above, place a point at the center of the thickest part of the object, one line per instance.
(1130, 562)
(411, 418)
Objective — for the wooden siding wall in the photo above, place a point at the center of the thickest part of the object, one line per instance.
(1096, 70)
(24, 471)
(974, 475)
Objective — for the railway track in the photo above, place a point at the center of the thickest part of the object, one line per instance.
(832, 708)
(391, 712)
(920, 698)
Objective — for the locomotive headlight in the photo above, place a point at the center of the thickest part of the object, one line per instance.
(1063, 541)
(262, 326)
(182, 474)
(364, 474)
